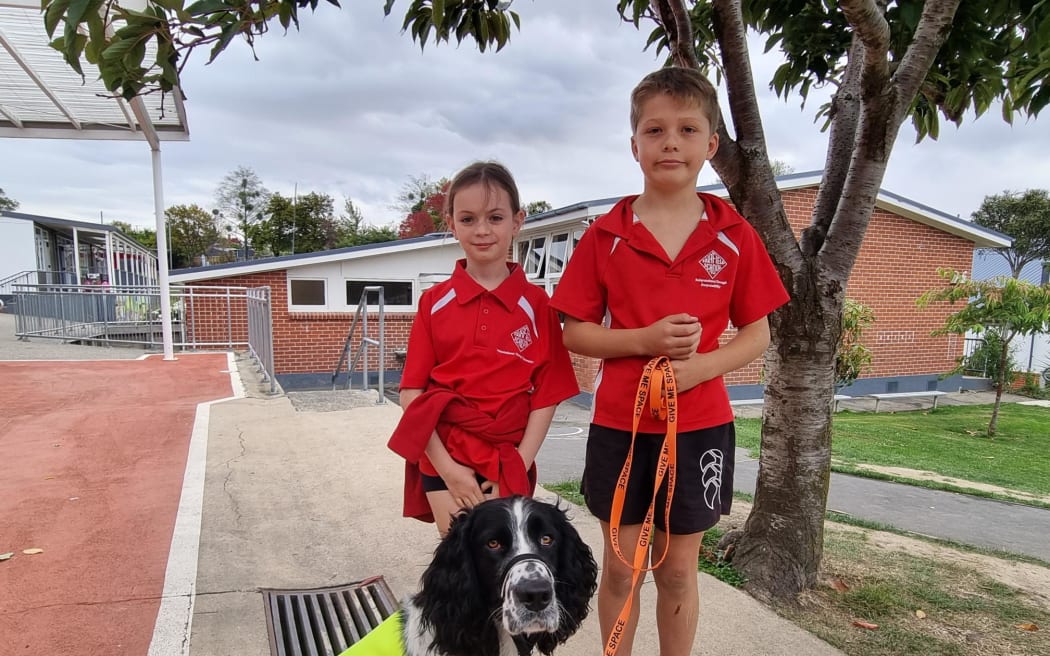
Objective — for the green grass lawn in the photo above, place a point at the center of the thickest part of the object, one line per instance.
(950, 441)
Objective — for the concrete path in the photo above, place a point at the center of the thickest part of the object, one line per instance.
(308, 499)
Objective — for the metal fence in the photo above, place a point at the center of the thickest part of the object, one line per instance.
(260, 331)
(203, 317)
(975, 357)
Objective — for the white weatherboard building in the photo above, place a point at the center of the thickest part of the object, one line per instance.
(46, 250)
(1032, 352)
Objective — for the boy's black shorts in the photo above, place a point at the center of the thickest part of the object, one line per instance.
(703, 482)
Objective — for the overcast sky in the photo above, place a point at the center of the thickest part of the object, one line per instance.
(350, 107)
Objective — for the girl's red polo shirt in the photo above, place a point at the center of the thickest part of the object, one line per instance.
(619, 276)
(489, 346)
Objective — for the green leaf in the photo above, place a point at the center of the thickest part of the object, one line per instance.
(53, 14)
(77, 9)
(437, 12)
(202, 7)
(229, 31)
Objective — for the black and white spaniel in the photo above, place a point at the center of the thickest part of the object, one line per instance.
(512, 576)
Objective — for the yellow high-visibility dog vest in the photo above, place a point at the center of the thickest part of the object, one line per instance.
(384, 640)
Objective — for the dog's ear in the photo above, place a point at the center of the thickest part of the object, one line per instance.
(577, 579)
(449, 598)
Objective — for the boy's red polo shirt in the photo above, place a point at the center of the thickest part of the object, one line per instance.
(619, 276)
(489, 346)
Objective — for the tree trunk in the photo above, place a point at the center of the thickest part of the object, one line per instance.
(782, 544)
(1000, 385)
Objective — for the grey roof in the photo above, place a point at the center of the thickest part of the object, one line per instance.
(69, 224)
(283, 261)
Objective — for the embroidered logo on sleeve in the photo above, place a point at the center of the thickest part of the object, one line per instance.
(522, 338)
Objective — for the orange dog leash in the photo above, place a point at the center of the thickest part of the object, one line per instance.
(658, 385)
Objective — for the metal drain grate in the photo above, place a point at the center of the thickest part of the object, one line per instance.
(325, 621)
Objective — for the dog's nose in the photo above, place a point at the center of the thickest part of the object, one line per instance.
(534, 594)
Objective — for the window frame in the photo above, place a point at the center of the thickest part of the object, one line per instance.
(324, 307)
(413, 291)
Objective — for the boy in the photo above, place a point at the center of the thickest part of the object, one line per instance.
(662, 274)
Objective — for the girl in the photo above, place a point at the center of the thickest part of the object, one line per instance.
(486, 366)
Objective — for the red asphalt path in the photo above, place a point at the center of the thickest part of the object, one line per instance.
(92, 455)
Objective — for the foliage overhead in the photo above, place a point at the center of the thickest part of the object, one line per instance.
(1025, 217)
(486, 21)
(115, 38)
(996, 50)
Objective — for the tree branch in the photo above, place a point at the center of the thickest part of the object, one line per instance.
(673, 15)
(884, 104)
(845, 116)
(934, 27)
(743, 164)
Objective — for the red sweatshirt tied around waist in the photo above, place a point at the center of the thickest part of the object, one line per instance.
(485, 443)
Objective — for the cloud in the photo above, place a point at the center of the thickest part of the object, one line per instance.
(351, 107)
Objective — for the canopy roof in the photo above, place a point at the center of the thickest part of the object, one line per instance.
(41, 97)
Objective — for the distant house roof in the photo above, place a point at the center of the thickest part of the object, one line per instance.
(982, 237)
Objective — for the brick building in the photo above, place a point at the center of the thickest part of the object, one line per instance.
(315, 295)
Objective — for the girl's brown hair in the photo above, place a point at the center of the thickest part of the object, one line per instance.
(488, 173)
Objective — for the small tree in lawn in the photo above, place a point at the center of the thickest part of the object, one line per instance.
(1004, 306)
(853, 358)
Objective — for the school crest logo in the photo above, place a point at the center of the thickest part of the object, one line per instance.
(522, 338)
(713, 263)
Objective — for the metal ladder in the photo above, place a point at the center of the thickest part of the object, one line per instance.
(361, 317)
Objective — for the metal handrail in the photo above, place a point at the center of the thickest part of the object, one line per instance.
(361, 316)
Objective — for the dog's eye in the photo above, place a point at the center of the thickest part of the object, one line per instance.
(494, 544)
(546, 540)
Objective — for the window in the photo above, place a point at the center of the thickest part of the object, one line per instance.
(307, 293)
(559, 252)
(531, 255)
(395, 292)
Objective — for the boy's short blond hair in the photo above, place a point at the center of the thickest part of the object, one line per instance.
(683, 84)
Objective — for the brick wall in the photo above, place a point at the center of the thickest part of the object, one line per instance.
(898, 261)
(311, 342)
